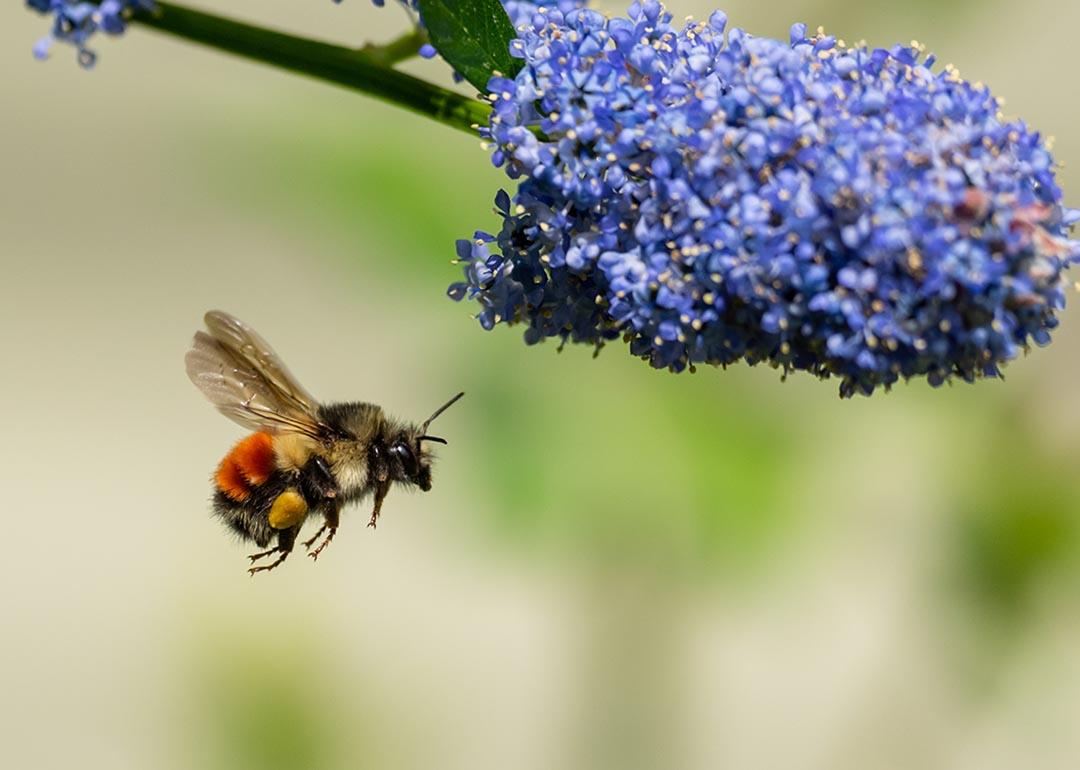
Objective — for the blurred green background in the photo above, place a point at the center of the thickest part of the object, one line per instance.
(617, 568)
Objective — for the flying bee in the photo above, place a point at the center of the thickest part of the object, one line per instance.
(305, 458)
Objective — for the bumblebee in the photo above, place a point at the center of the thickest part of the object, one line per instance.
(305, 458)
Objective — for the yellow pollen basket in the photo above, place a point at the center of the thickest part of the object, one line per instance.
(288, 510)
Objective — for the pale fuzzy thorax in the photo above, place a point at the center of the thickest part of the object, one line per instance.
(292, 451)
(349, 459)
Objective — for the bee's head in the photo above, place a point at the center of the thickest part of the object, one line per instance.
(410, 460)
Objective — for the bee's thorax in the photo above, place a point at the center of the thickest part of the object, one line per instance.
(293, 450)
(351, 474)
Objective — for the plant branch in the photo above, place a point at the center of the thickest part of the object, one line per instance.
(366, 70)
(398, 49)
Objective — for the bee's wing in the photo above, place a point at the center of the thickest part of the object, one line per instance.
(239, 372)
(248, 345)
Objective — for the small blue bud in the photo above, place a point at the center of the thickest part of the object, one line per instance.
(42, 47)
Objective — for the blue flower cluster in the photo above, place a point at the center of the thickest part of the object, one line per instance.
(711, 197)
(519, 11)
(76, 22)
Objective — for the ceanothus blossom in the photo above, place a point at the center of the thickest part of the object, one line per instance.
(710, 197)
(75, 22)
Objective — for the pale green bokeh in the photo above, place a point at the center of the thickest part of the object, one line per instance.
(616, 568)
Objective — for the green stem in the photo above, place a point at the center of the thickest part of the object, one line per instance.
(368, 71)
(398, 49)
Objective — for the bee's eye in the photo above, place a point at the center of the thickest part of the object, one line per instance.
(402, 451)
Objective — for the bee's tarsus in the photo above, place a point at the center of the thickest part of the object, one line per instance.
(380, 495)
(268, 567)
(256, 556)
(311, 541)
(329, 536)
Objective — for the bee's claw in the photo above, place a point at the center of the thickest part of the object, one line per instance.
(329, 536)
(308, 543)
(267, 567)
(256, 556)
(380, 495)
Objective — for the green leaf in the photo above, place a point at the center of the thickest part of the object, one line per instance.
(473, 35)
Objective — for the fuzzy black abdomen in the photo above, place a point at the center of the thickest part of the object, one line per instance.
(249, 517)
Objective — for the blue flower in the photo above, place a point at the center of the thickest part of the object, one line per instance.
(521, 14)
(520, 11)
(76, 22)
(708, 198)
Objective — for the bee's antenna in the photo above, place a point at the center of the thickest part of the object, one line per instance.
(436, 439)
(440, 410)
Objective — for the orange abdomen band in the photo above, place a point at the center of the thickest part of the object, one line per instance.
(248, 465)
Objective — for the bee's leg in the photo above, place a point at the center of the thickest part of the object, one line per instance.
(380, 495)
(271, 565)
(317, 480)
(286, 539)
(331, 513)
(329, 536)
(311, 541)
(254, 557)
